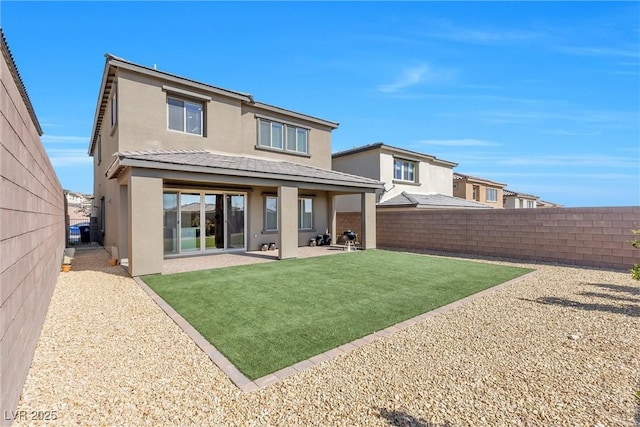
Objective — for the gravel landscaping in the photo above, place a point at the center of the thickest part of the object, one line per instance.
(560, 347)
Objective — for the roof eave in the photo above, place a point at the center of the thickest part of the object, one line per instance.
(120, 163)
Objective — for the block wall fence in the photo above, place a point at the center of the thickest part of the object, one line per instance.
(593, 237)
(31, 233)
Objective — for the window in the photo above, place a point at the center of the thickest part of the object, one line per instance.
(114, 105)
(270, 214)
(455, 187)
(404, 170)
(99, 149)
(102, 215)
(305, 214)
(185, 116)
(492, 195)
(476, 193)
(282, 136)
(530, 203)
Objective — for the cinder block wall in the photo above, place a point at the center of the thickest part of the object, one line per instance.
(348, 221)
(595, 237)
(31, 233)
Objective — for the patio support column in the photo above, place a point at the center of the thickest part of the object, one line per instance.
(288, 222)
(145, 225)
(368, 233)
(333, 224)
(123, 223)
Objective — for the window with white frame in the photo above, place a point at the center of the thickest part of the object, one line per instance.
(530, 203)
(184, 116)
(305, 214)
(476, 193)
(99, 149)
(114, 105)
(270, 213)
(404, 170)
(282, 136)
(492, 195)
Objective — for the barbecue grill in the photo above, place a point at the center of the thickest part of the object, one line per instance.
(350, 239)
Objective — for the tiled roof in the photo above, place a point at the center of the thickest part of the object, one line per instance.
(398, 150)
(431, 200)
(226, 164)
(459, 176)
(510, 193)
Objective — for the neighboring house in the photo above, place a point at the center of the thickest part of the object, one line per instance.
(185, 168)
(408, 176)
(477, 189)
(545, 204)
(78, 205)
(515, 200)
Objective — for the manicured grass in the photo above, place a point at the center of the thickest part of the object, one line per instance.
(265, 317)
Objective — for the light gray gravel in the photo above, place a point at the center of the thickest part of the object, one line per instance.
(561, 347)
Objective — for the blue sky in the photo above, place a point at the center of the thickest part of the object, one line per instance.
(542, 96)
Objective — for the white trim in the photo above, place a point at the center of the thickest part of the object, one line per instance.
(187, 93)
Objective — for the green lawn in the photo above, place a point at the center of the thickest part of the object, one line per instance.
(265, 317)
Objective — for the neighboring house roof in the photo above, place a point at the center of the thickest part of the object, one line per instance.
(431, 201)
(510, 193)
(394, 150)
(113, 62)
(206, 161)
(13, 68)
(460, 176)
(545, 204)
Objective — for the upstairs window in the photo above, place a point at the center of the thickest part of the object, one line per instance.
(530, 204)
(492, 195)
(281, 136)
(185, 116)
(404, 170)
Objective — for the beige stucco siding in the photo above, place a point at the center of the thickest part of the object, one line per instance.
(228, 125)
(366, 163)
(143, 118)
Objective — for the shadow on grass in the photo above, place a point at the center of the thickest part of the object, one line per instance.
(402, 419)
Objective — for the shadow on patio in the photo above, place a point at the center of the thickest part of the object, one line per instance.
(206, 262)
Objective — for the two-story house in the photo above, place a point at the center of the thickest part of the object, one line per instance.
(516, 200)
(185, 168)
(412, 179)
(477, 189)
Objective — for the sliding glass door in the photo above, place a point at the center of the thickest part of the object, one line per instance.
(208, 222)
(189, 222)
(235, 221)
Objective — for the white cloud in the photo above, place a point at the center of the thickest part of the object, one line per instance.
(58, 139)
(449, 31)
(415, 75)
(599, 51)
(458, 142)
(68, 157)
(576, 160)
(71, 161)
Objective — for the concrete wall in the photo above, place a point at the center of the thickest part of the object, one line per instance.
(31, 233)
(594, 237)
